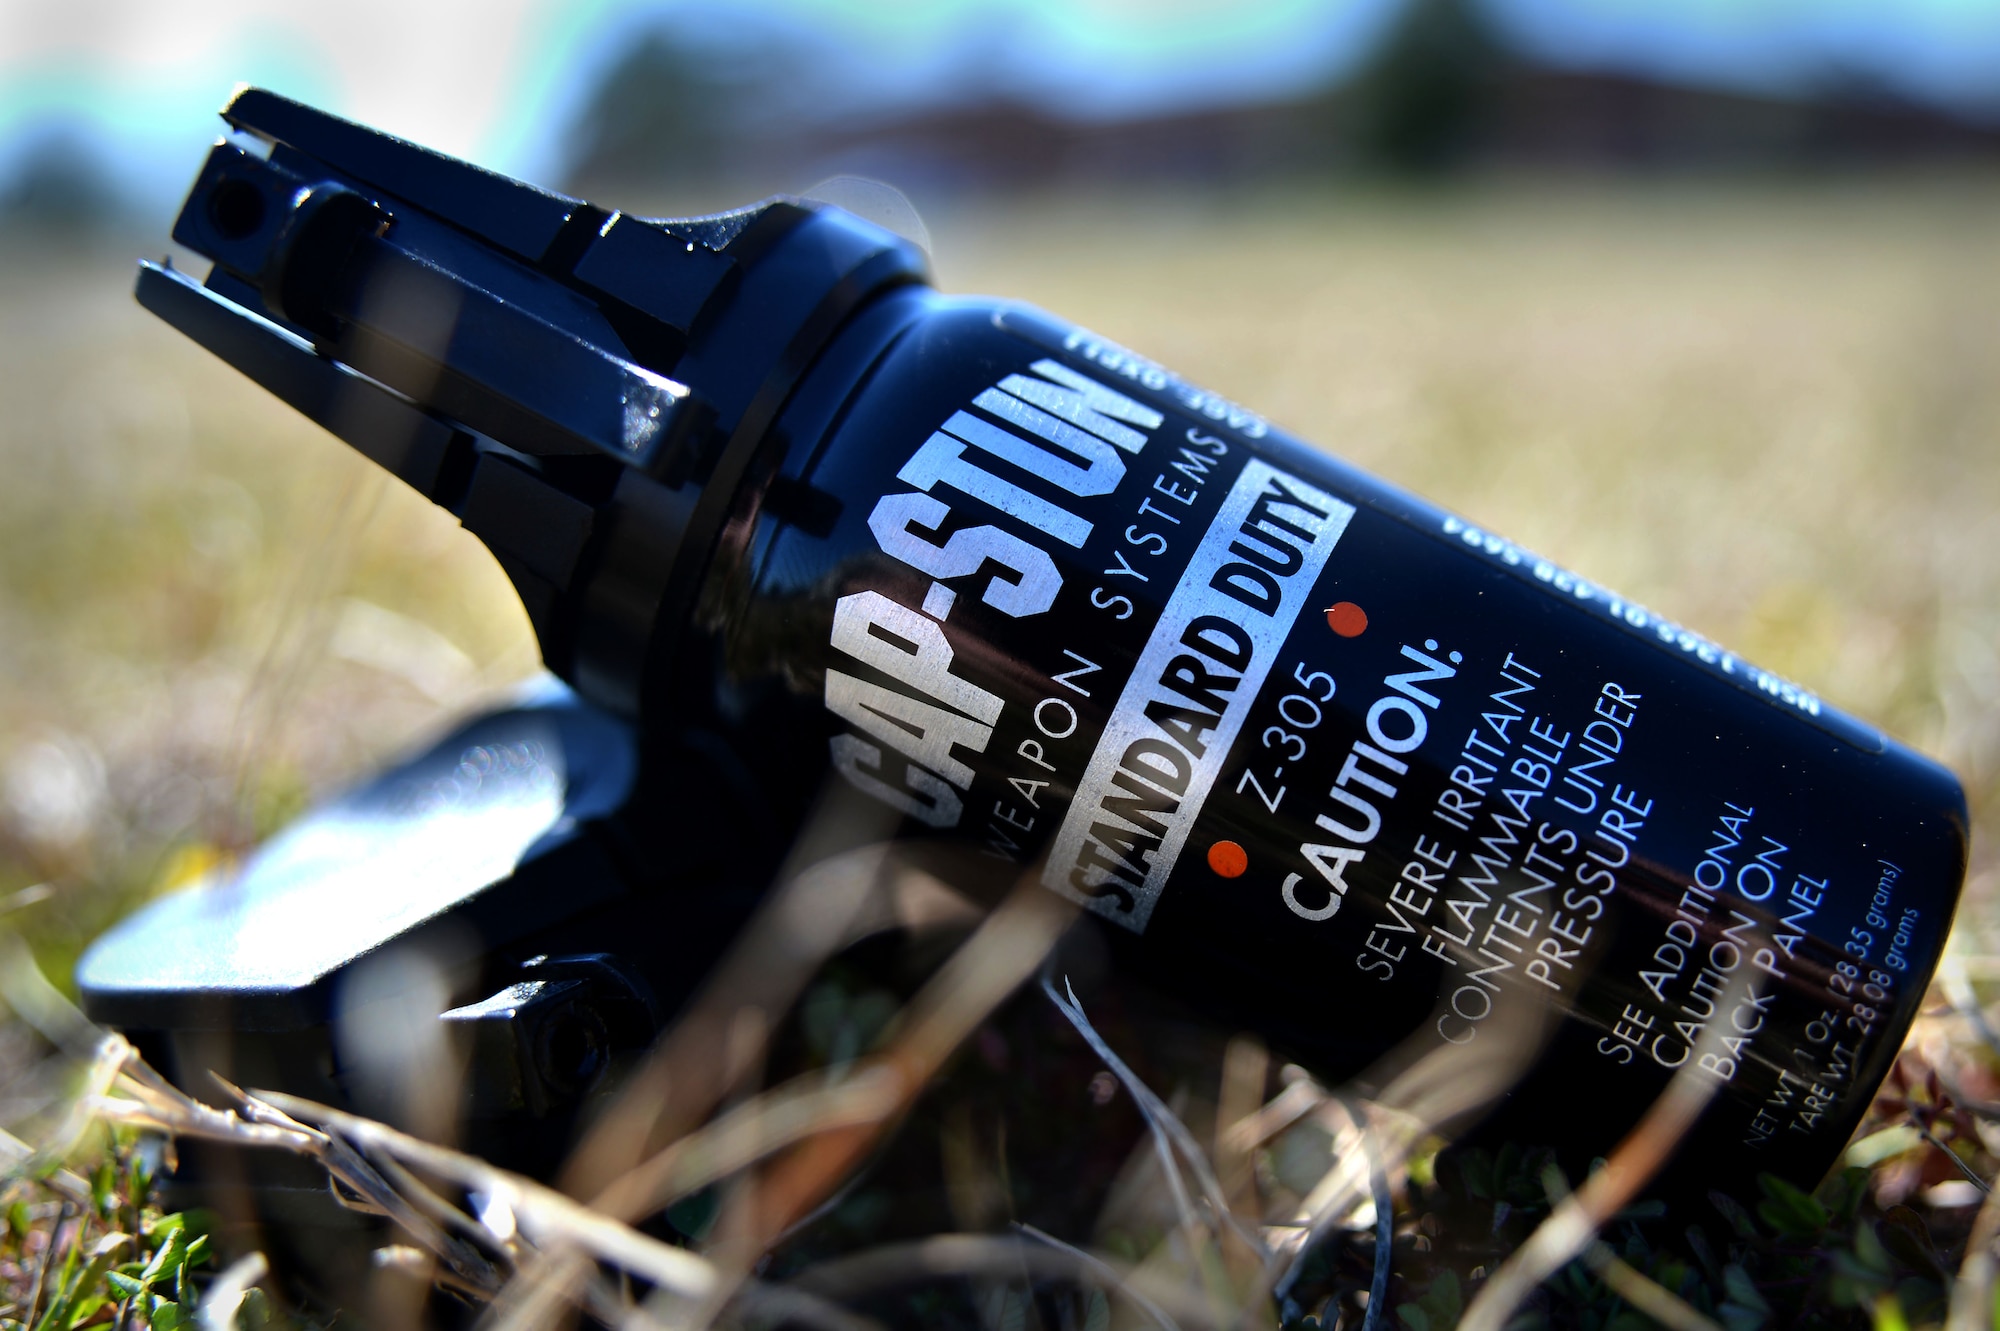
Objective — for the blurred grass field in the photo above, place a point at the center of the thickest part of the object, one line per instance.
(1767, 410)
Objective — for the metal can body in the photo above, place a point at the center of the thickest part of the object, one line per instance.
(1322, 759)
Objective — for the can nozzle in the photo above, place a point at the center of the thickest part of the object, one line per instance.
(584, 389)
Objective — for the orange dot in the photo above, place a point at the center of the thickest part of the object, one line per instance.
(1228, 859)
(1347, 619)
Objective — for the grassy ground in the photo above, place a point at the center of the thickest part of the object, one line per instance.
(208, 608)
(1768, 411)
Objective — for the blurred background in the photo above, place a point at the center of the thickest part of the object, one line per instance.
(1700, 297)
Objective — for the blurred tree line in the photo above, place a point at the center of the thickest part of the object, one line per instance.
(1442, 90)
(709, 110)
(58, 187)
(684, 107)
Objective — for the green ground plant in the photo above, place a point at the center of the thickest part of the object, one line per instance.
(109, 1255)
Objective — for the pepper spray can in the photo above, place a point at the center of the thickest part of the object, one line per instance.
(1312, 755)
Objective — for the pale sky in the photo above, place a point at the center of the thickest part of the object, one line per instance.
(148, 77)
(496, 80)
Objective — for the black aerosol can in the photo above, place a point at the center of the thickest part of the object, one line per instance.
(1318, 758)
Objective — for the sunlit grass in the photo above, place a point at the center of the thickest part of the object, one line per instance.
(209, 609)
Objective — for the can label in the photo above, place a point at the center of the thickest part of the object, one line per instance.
(1313, 739)
(1189, 692)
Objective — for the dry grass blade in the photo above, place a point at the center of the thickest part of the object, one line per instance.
(1335, 1196)
(446, 1217)
(343, 1146)
(738, 1139)
(1972, 1294)
(1443, 1083)
(539, 1292)
(179, 1115)
(808, 916)
(38, 1002)
(42, 1267)
(1644, 1293)
(787, 1305)
(1385, 1223)
(1957, 987)
(21, 1162)
(545, 1215)
(257, 1123)
(16, 1161)
(301, 629)
(1007, 948)
(1574, 1222)
(1001, 954)
(1246, 1067)
(1970, 1174)
(1290, 1105)
(32, 895)
(1170, 1135)
(1434, 1086)
(750, 1132)
(1108, 1272)
(215, 1125)
(1150, 1108)
(990, 1256)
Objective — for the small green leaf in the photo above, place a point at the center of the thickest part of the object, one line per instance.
(1921, 1299)
(1444, 1300)
(1414, 1317)
(168, 1257)
(1742, 1289)
(695, 1214)
(170, 1317)
(1476, 1168)
(1843, 1194)
(1868, 1249)
(1697, 1240)
(1889, 1314)
(1507, 1171)
(254, 1312)
(1790, 1210)
(103, 1187)
(1908, 1240)
(1873, 1149)
(1732, 1211)
(1736, 1317)
(70, 1255)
